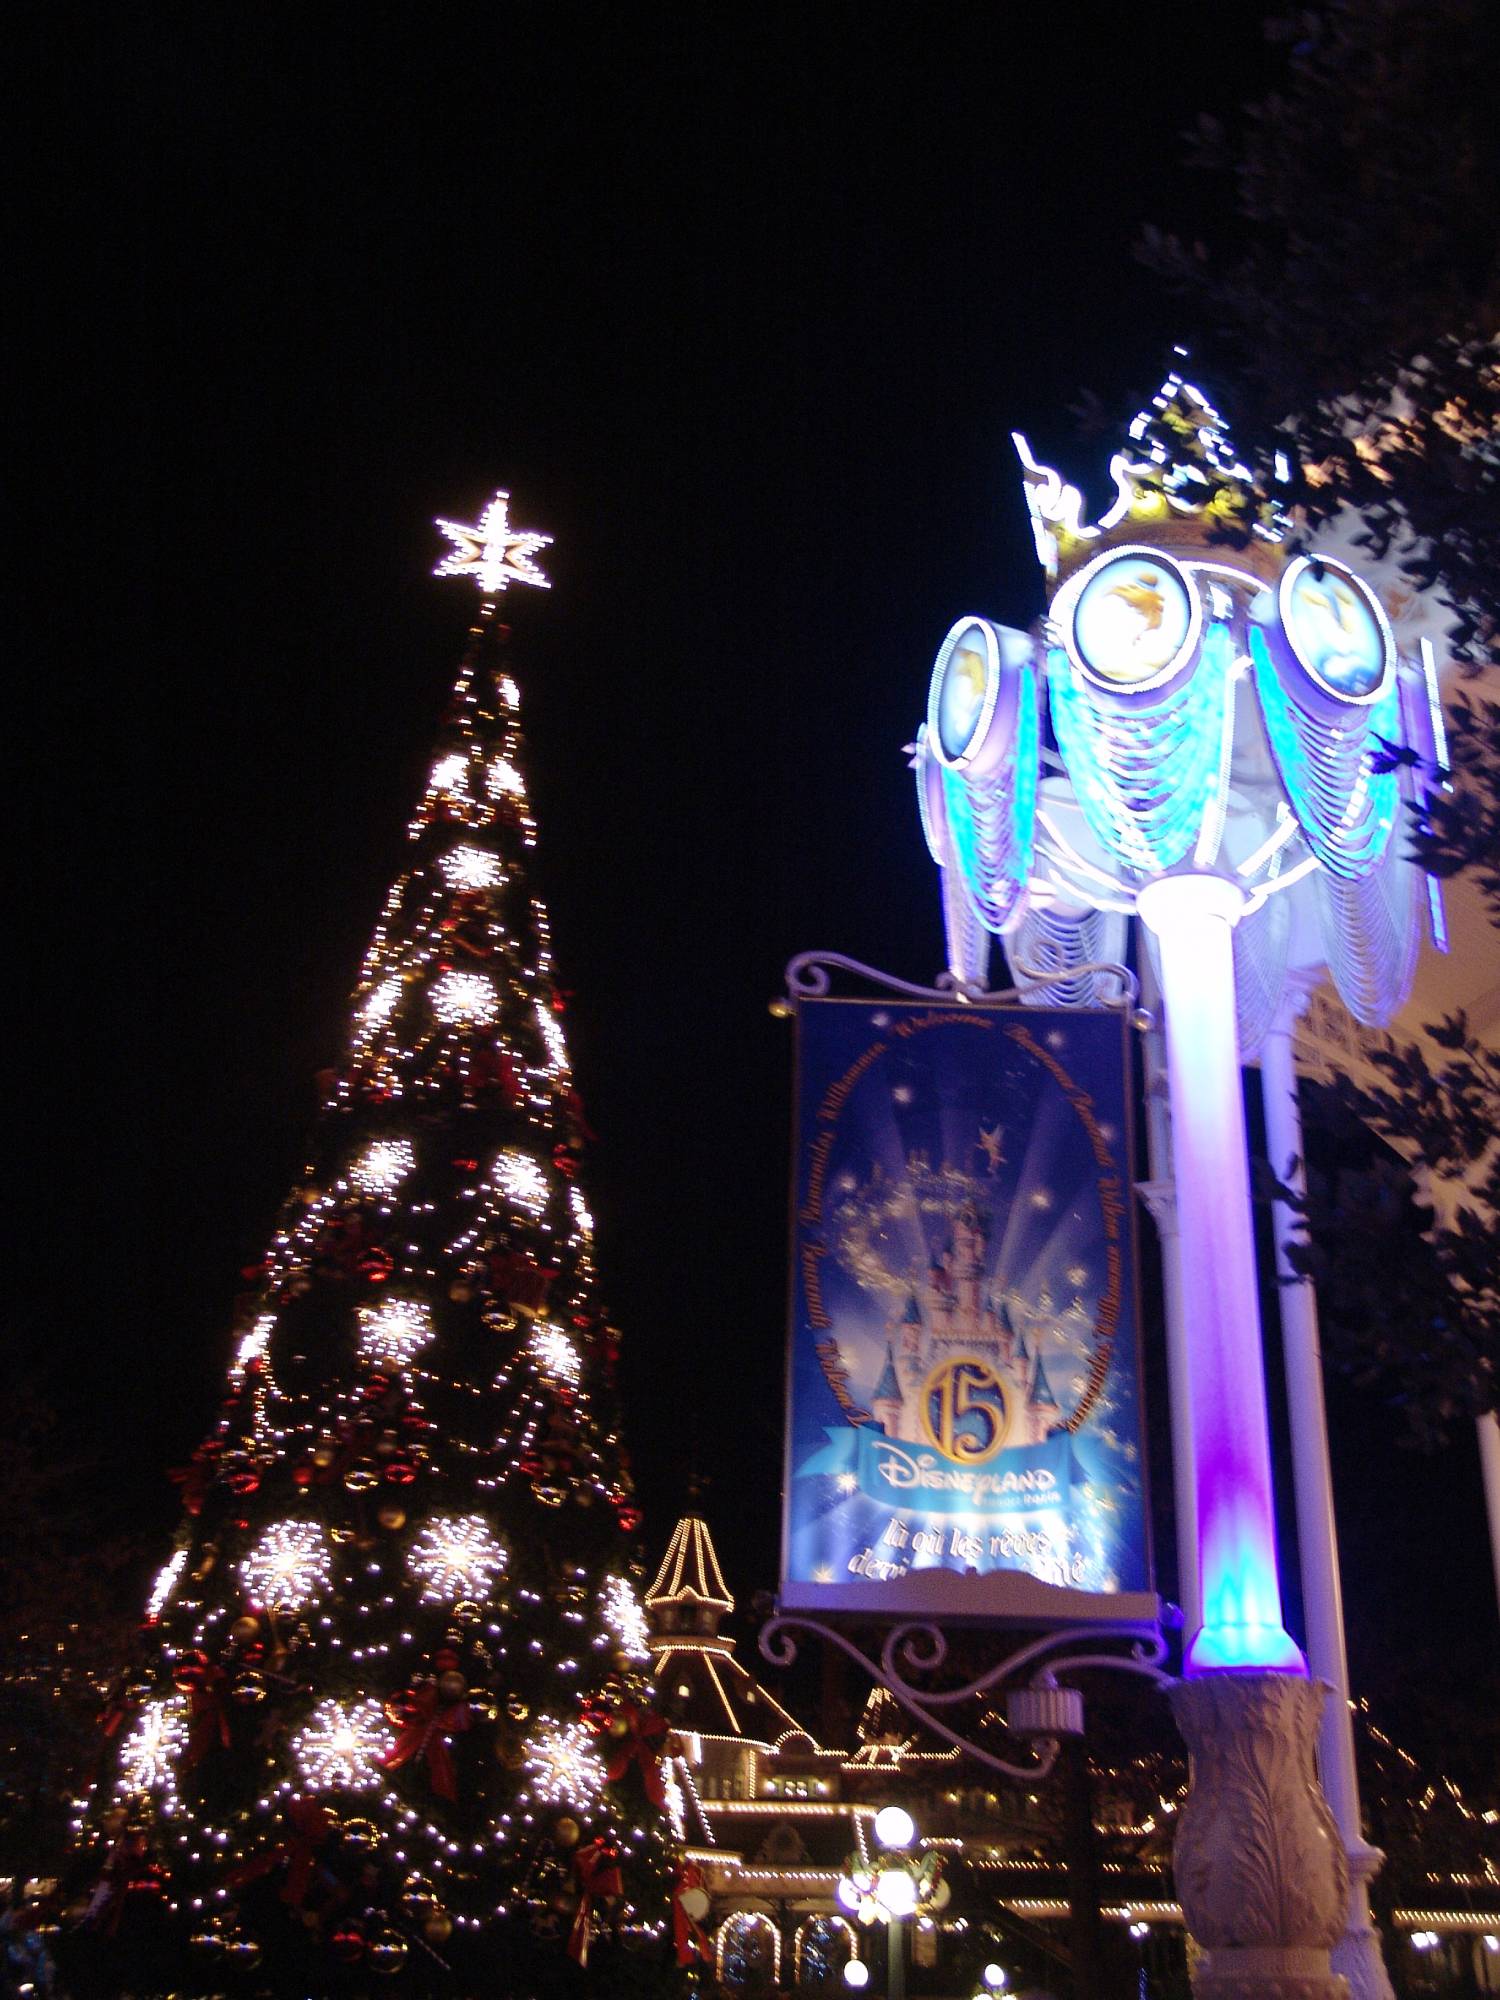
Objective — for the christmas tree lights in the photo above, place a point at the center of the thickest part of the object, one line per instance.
(398, 1634)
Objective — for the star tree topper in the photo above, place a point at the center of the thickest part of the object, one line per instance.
(493, 553)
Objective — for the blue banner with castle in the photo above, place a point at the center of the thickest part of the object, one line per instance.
(964, 1379)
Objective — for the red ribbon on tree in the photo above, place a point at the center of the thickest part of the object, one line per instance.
(426, 1723)
(640, 1742)
(689, 1936)
(596, 1868)
(208, 1712)
(311, 1824)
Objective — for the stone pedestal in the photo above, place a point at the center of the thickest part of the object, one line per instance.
(1261, 1871)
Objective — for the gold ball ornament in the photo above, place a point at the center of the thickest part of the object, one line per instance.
(438, 1928)
(361, 1836)
(242, 1951)
(567, 1832)
(460, 1293)
(517, 1709)
(245, 1630)
(386, 1954)
(418, 1897)
(617, 1727)
(451, 1685)
(324, 1455)
(360, 1479)
(248, 1689)
(392, 1517)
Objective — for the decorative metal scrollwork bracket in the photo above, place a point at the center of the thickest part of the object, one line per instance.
(808, 978)
(1040, 1706)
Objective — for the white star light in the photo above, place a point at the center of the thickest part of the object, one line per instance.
(339, 1746)
(565, 1767)
(470, 868)
(520, 1179)
(456, 1555)
(288, 1565)
(493, 553)
(555, 1354)
(148, 1754)
(394, 1331)
(464, 1000)
(383, 1165)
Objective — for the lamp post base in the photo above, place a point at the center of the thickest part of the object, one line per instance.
(1261, 1871)
(1357, 1954)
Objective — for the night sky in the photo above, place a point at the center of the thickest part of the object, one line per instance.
(742, 307)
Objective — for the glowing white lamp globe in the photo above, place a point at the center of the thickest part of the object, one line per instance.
(856, 1973)
(994, 1977)
(848, 1893)
(895, 1827)
(896, 1892)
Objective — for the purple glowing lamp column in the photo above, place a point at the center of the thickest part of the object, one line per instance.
(1192, 918)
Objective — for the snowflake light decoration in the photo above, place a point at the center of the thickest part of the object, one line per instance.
(383, 1165)
(148, 1755)
(253, 1345)
(521, 1180)
(552, 1035)
(565, 1767)
(470, 868)
(340, 1746)
(288, 1566)
(456, 1555)
(381, 1004)
(623, 1615)
(165, 1584)
(465, 1000)
(450, 773)
(502, 780)
(493, 553)
(555, 1354)
(394, 1331)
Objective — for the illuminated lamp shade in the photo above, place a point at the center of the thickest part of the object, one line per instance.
(1336, 630)
(896, 1892)
(973, 697)
(856, 1974)
(993, 1977)
(895, 1827)
(849, 1893)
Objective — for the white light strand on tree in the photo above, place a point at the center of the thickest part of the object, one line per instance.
(165, 1584)
(456, 1556)
(623, 1615)
(552, 1035)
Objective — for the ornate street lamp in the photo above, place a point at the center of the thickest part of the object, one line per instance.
(1235, 739)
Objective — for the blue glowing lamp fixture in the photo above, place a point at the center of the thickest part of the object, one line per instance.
(1207, 732)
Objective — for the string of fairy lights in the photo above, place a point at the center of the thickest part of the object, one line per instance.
(371, 1549)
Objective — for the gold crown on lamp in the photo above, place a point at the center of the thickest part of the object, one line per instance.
(1199, 497)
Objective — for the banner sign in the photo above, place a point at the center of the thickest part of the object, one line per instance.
(964, 1423)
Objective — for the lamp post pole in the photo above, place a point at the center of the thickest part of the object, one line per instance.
(1357, 1953)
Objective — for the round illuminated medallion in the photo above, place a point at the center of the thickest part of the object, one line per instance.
(965, 685)
(1135, 620)
(1337, 632)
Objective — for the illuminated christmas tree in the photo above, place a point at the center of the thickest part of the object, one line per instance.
(392, 1715)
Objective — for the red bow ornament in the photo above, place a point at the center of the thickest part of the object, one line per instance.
(596, 1868)
(310, 1824)
(636, 1735)
(426, 1722)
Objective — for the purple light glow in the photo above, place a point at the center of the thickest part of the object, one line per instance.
(1192, 918)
